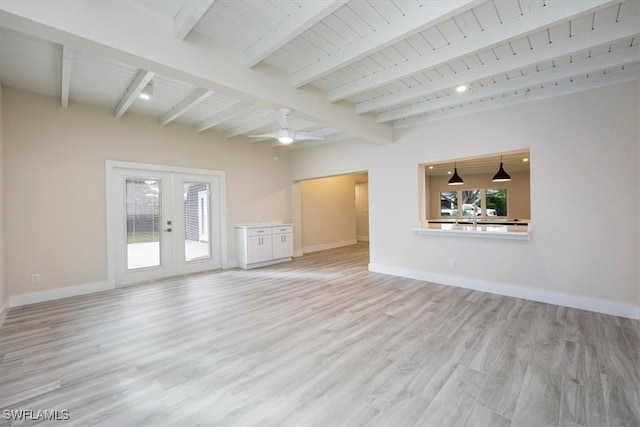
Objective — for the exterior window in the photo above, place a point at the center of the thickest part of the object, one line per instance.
(471, 202)
(496, 201)
(448, 203)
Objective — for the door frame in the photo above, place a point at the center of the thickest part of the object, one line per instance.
(112, 210)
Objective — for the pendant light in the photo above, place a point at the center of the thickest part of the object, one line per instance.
(502, 175)
(455, 179)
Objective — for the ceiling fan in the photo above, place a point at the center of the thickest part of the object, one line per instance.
(285, 135)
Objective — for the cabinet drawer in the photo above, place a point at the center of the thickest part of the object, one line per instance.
(265, 231)
(283, 229)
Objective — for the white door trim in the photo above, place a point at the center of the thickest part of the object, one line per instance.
(112, 211)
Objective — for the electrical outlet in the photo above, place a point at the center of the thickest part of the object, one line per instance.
(35, 278)
(452, 263)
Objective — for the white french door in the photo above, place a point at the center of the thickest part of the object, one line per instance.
(164, 222)
(198, 237)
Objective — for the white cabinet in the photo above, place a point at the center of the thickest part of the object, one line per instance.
(262, 244)
(282, 242)
(259, 249)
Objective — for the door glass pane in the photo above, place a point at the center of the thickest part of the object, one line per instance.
(143, 223)
(196, 221)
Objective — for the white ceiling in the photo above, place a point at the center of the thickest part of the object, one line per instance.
(347, 68)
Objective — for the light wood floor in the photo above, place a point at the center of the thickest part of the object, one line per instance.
(319, 341)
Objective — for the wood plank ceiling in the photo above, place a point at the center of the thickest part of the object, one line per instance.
(398, 62)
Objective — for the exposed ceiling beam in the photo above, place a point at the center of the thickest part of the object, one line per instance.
(580, 67)
(193, 99)
(146, 44)
(416, 18)
(224, 115)
(188, 16)
(133, 91)
(308, 15)
(629, 74)
(536, 20)
(580, 42)
(67, 62)
(257, 123)
(338, 136)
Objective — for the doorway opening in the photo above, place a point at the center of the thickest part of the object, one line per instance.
(333, 212)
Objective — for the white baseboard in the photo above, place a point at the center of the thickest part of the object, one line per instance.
(584, 303)
(298, 253)
(3, 312)
(331, 245)
(229, 264)
(362, 238)
(263, 263)
(52, 294)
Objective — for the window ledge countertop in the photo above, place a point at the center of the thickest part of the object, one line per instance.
(514, 232)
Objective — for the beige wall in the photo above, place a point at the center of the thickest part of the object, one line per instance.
(3, 284)
(362, 211)
(328, 207)
(518, 193)
(55, 207)
(582, 146)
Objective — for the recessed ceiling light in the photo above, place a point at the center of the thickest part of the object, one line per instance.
(448, 172)
(430, 167)
(461, 88)
(526, 159)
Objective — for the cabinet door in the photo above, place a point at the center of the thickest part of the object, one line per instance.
(266, 251)
(259, 249)
(282, 245)
(254, 249)
(287, 245)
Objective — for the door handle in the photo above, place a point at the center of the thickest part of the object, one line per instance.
(168, 230)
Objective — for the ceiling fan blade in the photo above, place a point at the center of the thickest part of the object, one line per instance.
(305, 136)
(264, 135)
